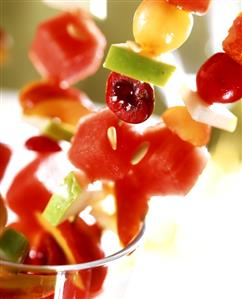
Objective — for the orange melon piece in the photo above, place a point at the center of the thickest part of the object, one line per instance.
(179, 121)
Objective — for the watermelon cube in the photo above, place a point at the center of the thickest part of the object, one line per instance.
(102, 155)
(75, 41)
(171, 166)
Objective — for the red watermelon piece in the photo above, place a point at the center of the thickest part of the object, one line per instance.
(132, 206)
(156, 162)
(92, 152)
(85, 246)
(27, 194)
(68, 47)
(171, 165)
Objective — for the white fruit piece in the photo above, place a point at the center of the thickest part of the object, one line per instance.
(216, 115)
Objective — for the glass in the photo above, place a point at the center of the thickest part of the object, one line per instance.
(18, 281)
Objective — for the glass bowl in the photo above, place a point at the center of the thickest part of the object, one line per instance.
(20, 281)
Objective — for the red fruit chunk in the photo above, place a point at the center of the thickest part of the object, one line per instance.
(27, 194)
(196, 6)
(131, 100)
(232, 44)
(68, 47)
(132, 206)
(49, 99)
(90, 236)
(171, 166)
(5, 154)
(100, 156)
(220, 80)
(42, 144)
(45, 251)
(85, 248)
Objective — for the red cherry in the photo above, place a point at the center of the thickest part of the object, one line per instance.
(219, 80)
(131, 100)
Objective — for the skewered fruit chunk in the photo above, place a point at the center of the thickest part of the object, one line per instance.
(232, 44)
(131, 100)
(219, 80)
(49, 99)
(13, 246)
(179, 121)
(159, 27)
(171, 166)
(5, 154)
(42, 144)
(76, 42)
(215, 115)
(197, 6)
(123, 60)
(132, 206)
(103, 147)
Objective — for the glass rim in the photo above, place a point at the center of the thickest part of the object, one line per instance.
(81, 266)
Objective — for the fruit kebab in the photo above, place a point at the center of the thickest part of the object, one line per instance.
(119, 142)
(106, 146)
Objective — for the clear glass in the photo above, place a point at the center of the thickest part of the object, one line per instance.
(18, 281)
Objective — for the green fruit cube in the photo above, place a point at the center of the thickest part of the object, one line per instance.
(13, 246)
(58, 130)
(124, 60)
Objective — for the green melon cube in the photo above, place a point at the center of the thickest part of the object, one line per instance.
(13, 246)
(123, 60)
(58, 130)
